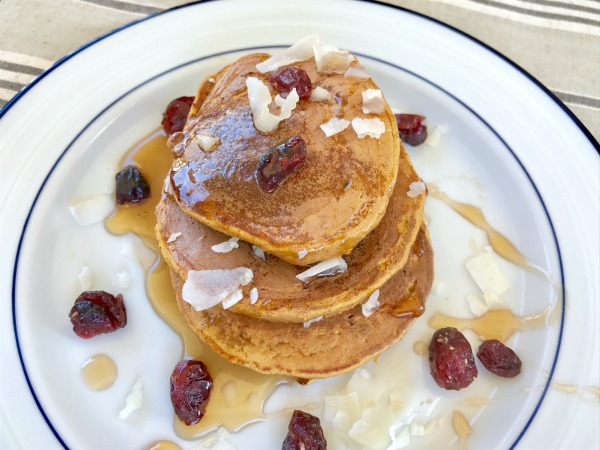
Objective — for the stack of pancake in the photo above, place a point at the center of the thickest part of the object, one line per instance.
(348, 200)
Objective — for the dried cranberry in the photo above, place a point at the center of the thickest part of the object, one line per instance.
(499, 359)
(284, 80)
(451, 359)
(132, 187)
(97, 312)
(191, 385)
(279, 162)
(304, 432)
(176, 114)
(411, 128)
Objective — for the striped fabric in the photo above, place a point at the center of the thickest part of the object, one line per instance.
(557, 41)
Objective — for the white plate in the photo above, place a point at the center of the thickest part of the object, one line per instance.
(511, 148)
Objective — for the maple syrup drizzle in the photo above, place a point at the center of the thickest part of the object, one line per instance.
(99, 372)
(498, 324)
(461, 426)
(238, 393)
(164, 445)
(501, 245)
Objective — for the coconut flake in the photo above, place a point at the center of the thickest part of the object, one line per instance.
(258, 252)
(318, 94)
(368, 127)
(334, 126)
(167, 188)
(227, 246)
(279, 100)
(134, 400)
(300, 51)
(253, 296)
(371, 305)
(372, 101)
(85, 278)
(174, 236)
(330, 59)
(204, 289)
(324, 269)
(487, 274)
(433, 138)
(302, 253)
(357, 71)
(309, 322)
(259, 97)
(207, 142)
(212, 80)
(416, 188)
(92, 210)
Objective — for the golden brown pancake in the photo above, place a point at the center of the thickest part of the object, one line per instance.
(327, 347)
(283, 297)
(326, 208)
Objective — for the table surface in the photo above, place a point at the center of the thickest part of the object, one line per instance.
(556, 41)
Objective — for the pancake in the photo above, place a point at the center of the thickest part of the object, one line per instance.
(327, 347)
(283, 297)
(327, 207)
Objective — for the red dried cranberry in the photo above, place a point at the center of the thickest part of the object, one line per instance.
(284, 80)
(451, 359)
(176, 114)
(97, 312)
(304, 432)
(499, 359)
(280, 162)
(132, 187)
(411, 128)
(191, 385)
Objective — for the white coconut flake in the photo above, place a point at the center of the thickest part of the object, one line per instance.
(134, 400)
(433, 138)
(207, 142)
(258, 252)
(309, 322)
(259, 97)
(319, 94)
(167, 189)
(334, 126)
(92, 210)
(400, 439)
(86, 280)
(204, 289)
(123, 279)
(357, 71)
(302, 253)
(368, 127)
(372, 101)
(300, 51)
(212, 80)
(330, 59)
(487, 274)
(227, 246)
(324, 269)
(371, 305)
(253, 296)
(279, 100)
(476, 305)
(174, 236)
(416, 188)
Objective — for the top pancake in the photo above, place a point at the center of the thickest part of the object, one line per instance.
(326, 208)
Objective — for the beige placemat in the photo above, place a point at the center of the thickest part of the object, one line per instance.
(557, 41)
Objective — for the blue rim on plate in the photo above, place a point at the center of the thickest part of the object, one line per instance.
(462, 103)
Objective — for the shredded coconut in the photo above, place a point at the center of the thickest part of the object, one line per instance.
(227, 246)
(330, 59)
(258, 252)
(207, 142)
(433, 138)
(357, 72)
(86, 280)
(253, 296)
(134, 401)
(334, 126)
(174, 236)
(302, 253)
(259, 97)
(371, 305)
(318, 94)
(323, 269)
(416, 188)
(372, 101)
(311, 321)
(92, 210)
(204, 289)
(368, 127)
(300, 51)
